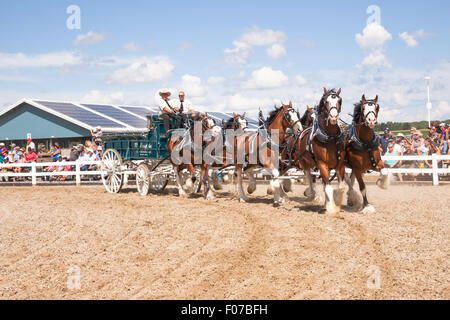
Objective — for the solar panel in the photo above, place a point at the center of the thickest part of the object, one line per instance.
(118, 114)
(80, 114)
(141, 111)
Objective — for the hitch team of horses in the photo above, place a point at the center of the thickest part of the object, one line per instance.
(284, 142)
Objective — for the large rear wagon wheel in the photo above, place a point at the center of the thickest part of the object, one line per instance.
(111, 171)
(158, 181)
(143, 179)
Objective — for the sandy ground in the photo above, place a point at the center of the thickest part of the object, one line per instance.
(162, 247)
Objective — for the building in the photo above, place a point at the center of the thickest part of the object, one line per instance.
(68, 122)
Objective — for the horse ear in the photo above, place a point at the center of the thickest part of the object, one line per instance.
(339, 91)
(325, 91)
(376, 99)
(243, 115)
(308, 108)
(290, 104)
(363, 99)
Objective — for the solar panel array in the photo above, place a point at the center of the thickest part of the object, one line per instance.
(104, 115)
(80, 114)
(118, 114)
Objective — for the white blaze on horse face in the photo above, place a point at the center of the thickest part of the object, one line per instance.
(333, 107)
(242, 123)
(210, 123)
(294, 119)
(370, 115)
(216, 130)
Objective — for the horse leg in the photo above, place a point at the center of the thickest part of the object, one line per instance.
(310, 192)
(384, 179)
(181, 191)
(366, 208)
(242, 196)
(352, 195)
(189, 183)
(339, 193)
(207, 191)
(251, 181)
(330, 207)
(287, 186)
(275, 186)
(215, 180)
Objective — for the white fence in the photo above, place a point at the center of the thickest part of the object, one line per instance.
(34, 173)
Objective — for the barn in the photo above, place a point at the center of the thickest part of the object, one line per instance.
(68, 122)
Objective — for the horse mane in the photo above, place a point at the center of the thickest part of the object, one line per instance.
(322, 100)
(272, 115)
(305, 116)
(357, 111)
(228, 123)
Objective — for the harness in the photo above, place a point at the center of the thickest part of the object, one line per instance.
(356, 143)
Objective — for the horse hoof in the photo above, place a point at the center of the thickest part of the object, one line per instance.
(270, 191)
(251, 188)
(182, 194)
(242, 200)
(287, 185)
(368, 209)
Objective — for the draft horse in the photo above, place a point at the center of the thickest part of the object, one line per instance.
(184, 148)
(324, 148)
(262, 145)
(362, 152)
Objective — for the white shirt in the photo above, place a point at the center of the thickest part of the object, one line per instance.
(187, 105)
(398, 148)
(31, 145)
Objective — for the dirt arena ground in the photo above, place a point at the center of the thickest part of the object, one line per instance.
(160, 247)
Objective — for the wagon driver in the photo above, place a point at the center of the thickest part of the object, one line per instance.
(180, 106)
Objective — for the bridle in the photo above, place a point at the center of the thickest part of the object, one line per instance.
(327, 111)
(287, 117)
(237, 122)
(374, 112)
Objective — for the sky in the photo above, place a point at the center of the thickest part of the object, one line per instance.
(229, 55)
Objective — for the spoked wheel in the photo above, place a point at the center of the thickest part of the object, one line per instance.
(158, 180)
(198, 180)
(111, 171)
(143, 179)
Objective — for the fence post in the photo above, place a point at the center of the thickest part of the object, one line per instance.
(77, 173)
(435, 168)
(33, 173)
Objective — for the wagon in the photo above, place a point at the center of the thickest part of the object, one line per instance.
(143, 157)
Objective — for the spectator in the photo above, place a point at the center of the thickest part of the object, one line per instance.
(6, 170)
(410, 163)
(30, 144)
(74, 154)
(21, 160)
(443, 138)
(392, 163)
(2, 147)
(97, 136)
(83, 158)
(417, 141)
(65, 168)
(30, 155)
(55, 152)
(411, 133)
(385, 140)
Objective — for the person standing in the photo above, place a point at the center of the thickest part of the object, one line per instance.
(385, 139)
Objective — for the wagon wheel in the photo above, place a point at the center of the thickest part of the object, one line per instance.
(198, 180)
(158, 180)
(111, 171)
(143, 179)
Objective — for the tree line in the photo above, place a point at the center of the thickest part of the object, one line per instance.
(394, 126)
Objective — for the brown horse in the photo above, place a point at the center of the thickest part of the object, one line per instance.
(362, 152)
(185, 157)
(262, 147)
(323, 148)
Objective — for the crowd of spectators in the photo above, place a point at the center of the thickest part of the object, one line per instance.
(436, 141)
(90, 151)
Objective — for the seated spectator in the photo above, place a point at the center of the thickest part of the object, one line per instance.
(20, 169)
(3, 147)
(417, 141)
(30, 144)
(443, 138)
(6, 170)
(74, 153)
(392, 163)
(410, 163)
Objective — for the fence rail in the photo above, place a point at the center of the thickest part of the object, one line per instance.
(34, 171)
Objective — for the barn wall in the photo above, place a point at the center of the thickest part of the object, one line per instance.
(25, 118)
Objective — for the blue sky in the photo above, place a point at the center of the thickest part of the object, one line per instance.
(228, 55)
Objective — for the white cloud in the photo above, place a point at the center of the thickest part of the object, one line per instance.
(51, 59)
(300, 80)
(185, 45)
(239, 102)
(256, 37)
(192, 86)
(144, 70)
(372, 41)
(442, 111)
(266, 78)
(308, 44)
(131, 47)
(89, 38)
(411, 38)
(96, 96)
(276, 51)
(215, 80)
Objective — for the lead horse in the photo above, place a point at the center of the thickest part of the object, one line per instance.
(362, 152)
(323, 148)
